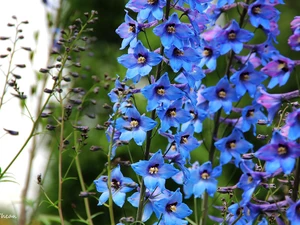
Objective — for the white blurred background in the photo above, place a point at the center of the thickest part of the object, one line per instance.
(11, 115)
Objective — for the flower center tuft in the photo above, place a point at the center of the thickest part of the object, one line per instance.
(177, 52)
(171, 112)
(222, 94)
(282, 66)
(231, 144)
(160, 91)
(250, 113)
(134, 123)
(207, 52)
(282, 149)
(131, 28)
(171, 28)
(205, 175)
(256, 9)
(245, 76)
(153, 169)
(141, 59)
(250, 179)
(115, 184)
(192, 113)
(184, 139)
(151, 2)
(172, 207)
(231, 35)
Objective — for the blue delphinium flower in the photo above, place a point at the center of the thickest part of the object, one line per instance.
(161, 92)
(293, 125)
(173, 115)
(262, 14)
(192, 78)
(279, 70)
(128, 31)
(173, 32)
(147, 10)
(272, 102)
(250, 116)
(248, 183)
(221, 95)
(198, 116)
(150, 198)
(173, 210)
(119, 92)
(247, 79)
(280, 153)
(203, 179)
(209, 53)
(294, 40)
(293, 213)
(186, 142)
(135, 126)
(185, 58)
(233, 146)
(154, 171)
(120, 185)
(233, 37)
(140, 62)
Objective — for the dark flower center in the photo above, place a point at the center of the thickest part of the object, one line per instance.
(282, 149)
(184, 139)
(151, 2)
(239, 211)
(115, 184)
(131, 28)
(192, 113)
(207, 52)
(173, 146)
(298, 209)
(222, 93)
(250, 113)
(177, 52)
(245, 76)
(250, 178)
(231, 144)
(171, 28)
(256, 9)
(134, 123)
(282, 66)
(231, 35)
(205, 175)
(153, 169)
(160, 91)
(171, 207)
(141, 59)
(171, 112)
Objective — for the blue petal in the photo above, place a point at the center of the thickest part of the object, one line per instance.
(151, 182)
(139, 136)
(103, 198)
(119, 198)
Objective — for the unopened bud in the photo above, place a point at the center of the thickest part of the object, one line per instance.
(11, 132)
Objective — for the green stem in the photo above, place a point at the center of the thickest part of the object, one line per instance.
(296, 181)
(110, 200)
(9, 66)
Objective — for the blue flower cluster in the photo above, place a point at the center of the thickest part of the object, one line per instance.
(179, 103)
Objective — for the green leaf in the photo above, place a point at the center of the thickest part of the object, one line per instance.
(96, 214)
(49, 219)
(69, 178)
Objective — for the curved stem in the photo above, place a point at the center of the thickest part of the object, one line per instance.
(22, 220)
(296, 181)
